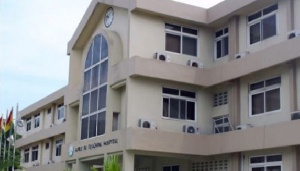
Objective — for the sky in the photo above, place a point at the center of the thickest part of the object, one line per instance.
(33, 47)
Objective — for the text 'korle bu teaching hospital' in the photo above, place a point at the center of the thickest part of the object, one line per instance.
(173, 87)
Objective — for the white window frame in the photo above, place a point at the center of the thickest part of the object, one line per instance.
(223, 125)
(265, 164)
(194, 100)
(264, 90)
(26, 153)
(259, 20)
(183, 34)
(58, 146)
(220, 38)
(60, 111)
(37, 120)
(28, 123)
(35, 149)
(98, 87)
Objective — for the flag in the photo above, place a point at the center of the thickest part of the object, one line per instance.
(9, 121)
(1, 125)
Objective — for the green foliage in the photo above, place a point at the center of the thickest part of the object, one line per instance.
(112, 163)
(93, 169)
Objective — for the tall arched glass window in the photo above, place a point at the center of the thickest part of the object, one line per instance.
(94, 89)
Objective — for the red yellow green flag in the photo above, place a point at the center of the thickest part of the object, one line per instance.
(9, 121)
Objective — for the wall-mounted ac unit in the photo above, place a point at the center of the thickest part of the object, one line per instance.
(144, 123)
(162, 57)
(293, 34)
(194, 63)
(241, 54)
(295, 115)
(190, 129)
(244, 126)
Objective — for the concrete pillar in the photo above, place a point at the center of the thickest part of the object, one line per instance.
(290, 15)
(234, 103)
(293, 86)
(73, 128)
(128, 161)
(233, 37)
(236, 162)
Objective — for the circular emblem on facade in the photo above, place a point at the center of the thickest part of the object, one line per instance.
(109, 17)
(71, 150)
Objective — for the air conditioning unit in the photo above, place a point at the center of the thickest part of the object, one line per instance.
(295, 115)
(241, 54)
(144, 123)
(194, 63)
(162, 57)
(293, 34)
(244, 126)
(190, 129)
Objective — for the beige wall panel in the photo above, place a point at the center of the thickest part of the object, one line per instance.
(46, 152)
(272, 117)
(47, 118)
(297, 14)
(298, 83)
(145, 102)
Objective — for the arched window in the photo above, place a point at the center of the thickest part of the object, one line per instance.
(94, 89)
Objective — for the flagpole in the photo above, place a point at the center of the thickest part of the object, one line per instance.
(1, 135)
(15, 134)
(5, 137)
(10, 133)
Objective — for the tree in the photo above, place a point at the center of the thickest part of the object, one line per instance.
(112, 163)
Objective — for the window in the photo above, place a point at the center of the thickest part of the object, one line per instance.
(58, 145)
(221, 124)
(47, 146)
(26, 155)
(181, 39)
(266, 163)
(221, 43)
(49, 111)
(263, 24)
(35, 153)
(28, 124)
(94, 89)
(179, 104)
(265, 96)
(115, 124)
(36, 120)
(212, 165)
(60, 111)
(220, 99)
(171, 168)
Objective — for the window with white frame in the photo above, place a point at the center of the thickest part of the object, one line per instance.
(179, 104)
(221, 43)
(264, 96)
(266, 163)
(36, 120)
(28, 124)
(34, 153)
(60, 111)
(262, 24)
(94, 89)
(171, 168)
(220, 99)
(221, 124)
(26, 155)
(181, 40)
(58, 145)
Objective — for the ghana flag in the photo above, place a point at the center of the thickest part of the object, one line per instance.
(9, 121)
